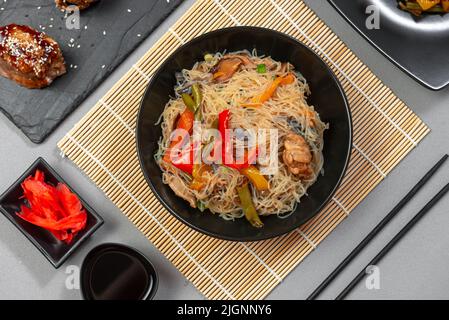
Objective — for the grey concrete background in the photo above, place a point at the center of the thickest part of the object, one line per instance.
(415, 269)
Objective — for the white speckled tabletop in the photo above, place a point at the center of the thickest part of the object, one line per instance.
(415, 269)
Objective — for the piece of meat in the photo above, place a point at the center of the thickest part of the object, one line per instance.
(81, 4)
(29, 57)
(297, 155)
(230, 64)
(181, 190)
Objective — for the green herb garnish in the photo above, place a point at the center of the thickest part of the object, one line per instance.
(201, 205)
(261, 68)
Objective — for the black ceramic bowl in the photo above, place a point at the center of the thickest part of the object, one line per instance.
(327, 97)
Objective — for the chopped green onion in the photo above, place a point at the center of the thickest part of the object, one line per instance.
(208, 57)
(261, 68)
(201, 205)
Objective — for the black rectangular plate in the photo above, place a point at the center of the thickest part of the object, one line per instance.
(54, 250)
(112, 33)
(417, 45)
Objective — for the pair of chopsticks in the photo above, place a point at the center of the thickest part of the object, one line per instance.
(379, 227)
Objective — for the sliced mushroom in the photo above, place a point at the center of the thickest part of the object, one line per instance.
(226, 68)
(230, 64)
(181, 190)
(297, 155)
(246, 60)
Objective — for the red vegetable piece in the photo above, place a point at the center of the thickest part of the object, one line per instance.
(57, 210)
(69, 201)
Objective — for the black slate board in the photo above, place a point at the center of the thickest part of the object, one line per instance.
(114, 29)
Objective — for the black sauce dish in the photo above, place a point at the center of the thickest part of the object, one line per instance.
(327, 96)
(114, 271)
(54, 250)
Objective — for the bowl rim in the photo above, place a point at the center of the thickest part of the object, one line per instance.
(199, 39)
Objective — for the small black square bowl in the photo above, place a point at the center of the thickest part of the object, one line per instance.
(54, 250)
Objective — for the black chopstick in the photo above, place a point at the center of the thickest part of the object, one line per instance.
(395, 240)
(378, 228)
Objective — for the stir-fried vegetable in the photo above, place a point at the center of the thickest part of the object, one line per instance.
(197, 96)
(223, 125)
(208, 57)
(184, 161)
(193, 102)
(445, 5)
(199, 170)
(188, 101)
(270, 91)
(417, 7)
(201, 205)
(226, 68)
(261, 68)
(245, 168)
(248, 207)
(197, 99)
(185, 122)
(227, 145)
(256, 178)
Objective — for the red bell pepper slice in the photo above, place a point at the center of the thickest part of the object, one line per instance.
(184, 159)
(185, 122)
(227, 147)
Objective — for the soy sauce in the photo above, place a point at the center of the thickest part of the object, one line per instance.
(116, 272)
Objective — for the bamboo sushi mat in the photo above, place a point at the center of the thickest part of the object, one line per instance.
(102, 144)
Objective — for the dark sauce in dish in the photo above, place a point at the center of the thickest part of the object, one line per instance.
(117, 273)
